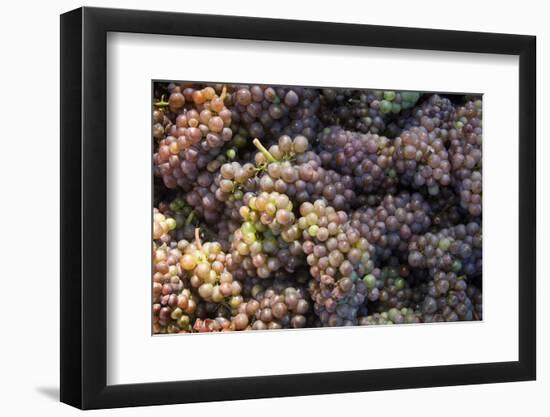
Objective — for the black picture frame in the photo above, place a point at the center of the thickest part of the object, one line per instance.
(84, 207)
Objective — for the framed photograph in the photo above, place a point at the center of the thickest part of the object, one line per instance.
(258, 208)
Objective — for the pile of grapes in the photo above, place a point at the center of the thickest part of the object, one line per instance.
(280, 207)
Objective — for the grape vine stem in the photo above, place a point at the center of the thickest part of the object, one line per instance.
(198, 238)
(263, 150)
(190, 218)
(162, 103)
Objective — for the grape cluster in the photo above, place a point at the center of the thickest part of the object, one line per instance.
(422, 159)
(446, 210)
(367, 158)
(366, 111)
(391, 224)
(388, 288)
(391, 316)
(435, 113)
(338, 258)
(162, 226)
(288, 167)
(268, 112)
(206, 266)
(280, 305)
(186, 219)
(462, 303)
(285, 207)
(465, 155)
(452, 259)
(173, 303)
(267, 240)
(456, 249)
(203, 200)
(199, 127)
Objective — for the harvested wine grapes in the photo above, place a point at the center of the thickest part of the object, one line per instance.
(293, 207)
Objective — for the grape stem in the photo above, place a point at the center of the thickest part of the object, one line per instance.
(162, 103)
(190, 218)
(198, 238)
(263, 150)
